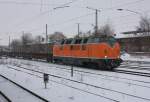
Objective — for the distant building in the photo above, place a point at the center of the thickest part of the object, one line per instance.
(135, 41)
(4, 49)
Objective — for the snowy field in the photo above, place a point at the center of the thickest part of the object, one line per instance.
(2, 99)
(19, 95)
(86, 85)
(128, 57)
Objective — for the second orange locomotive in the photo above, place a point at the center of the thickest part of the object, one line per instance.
(98, 52)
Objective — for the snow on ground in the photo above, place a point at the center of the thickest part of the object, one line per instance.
(128, 57)
(109, 86)
(55, 93)
(15, 93)
(2, 99)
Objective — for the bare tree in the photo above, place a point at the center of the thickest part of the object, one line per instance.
(38, 39)
(144, 25)
(79, 35)
(106, 30)
(15, 44)
(26, 38)
(57, 36)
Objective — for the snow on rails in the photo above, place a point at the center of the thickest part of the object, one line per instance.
(86, 82)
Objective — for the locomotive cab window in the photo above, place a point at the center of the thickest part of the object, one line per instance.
(90, 40)
(62, 42)
(68, 41)
(94, 40)
(78, 41)
(112, 39)
(73, 41)
(57, 43)
(84, 41)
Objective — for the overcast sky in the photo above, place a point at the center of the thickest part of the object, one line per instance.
(17, 16)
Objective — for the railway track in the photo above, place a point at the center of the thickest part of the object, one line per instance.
(87, 84)
(93, 73)
(137, 69)
(89, 73)
(139, 62)
(132, 72)
(127, 67)
(117, 70)
(24, 94)
(78, 70)
(57, 82)
(147, 68)
(102, 76)
(4, 98)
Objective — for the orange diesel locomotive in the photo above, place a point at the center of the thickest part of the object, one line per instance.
(97, 52)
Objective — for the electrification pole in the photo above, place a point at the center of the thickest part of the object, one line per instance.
(9, 42)
(47, 45)
(96, 22)
(46, 38)
(9, 46)
(78, 29)
(96, 19)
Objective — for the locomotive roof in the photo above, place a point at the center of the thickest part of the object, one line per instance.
(92, 39)
(89, 37)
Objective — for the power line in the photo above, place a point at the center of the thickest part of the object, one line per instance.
(116, 6)
(72, 19)
(125, 4)
(41, 14)
(34, 17)
(69, 3)
(65, 4)
(26, 3)
(75, 18)
(64, 22)
(137, 1)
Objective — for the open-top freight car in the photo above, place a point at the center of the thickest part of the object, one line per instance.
(33, 51)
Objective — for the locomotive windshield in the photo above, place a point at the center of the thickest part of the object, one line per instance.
(110, 40)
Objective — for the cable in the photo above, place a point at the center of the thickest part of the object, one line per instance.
(103, 10)
(66, 4)
(41, 14)
(63, 22)
(125, 4)
(25, 3)
(34, 17)
(72, 19)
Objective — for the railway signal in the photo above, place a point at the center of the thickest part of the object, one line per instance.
(71, 70)
(46, 79)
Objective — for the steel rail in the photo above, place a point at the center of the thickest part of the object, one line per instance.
(87, 84)
(94, 73)
(66, 85)
(5, 96)
(99, 74)
(32, 93)
(132, 72)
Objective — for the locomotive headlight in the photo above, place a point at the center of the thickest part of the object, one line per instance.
(105, 56)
